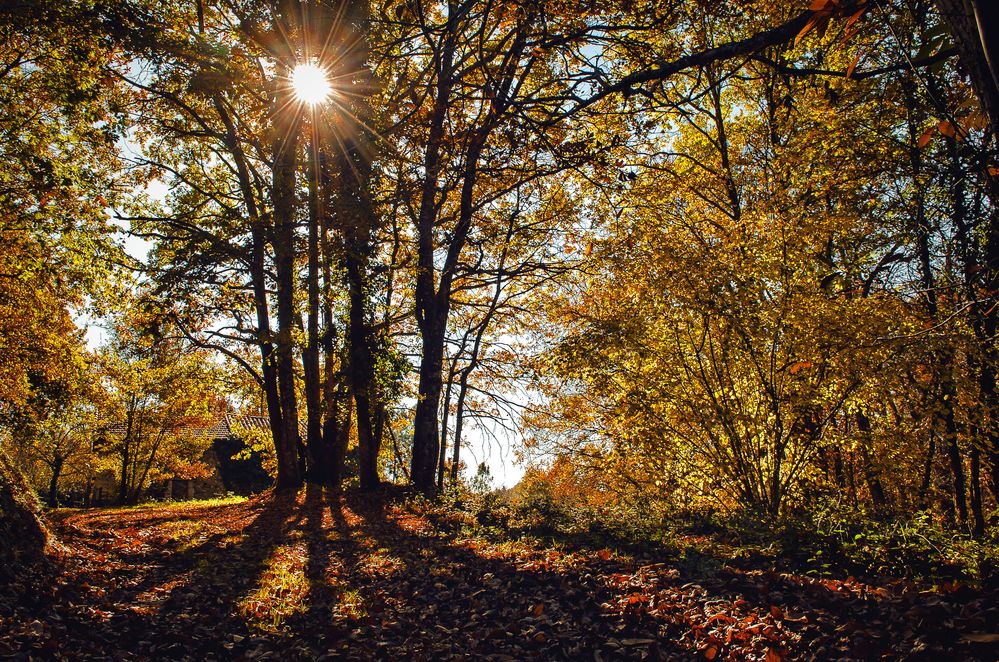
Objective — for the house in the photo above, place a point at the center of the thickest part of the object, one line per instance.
(227, 473)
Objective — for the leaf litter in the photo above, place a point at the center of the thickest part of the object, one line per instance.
(321, 577)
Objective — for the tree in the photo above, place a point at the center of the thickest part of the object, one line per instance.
(58, 149)
(154, 392)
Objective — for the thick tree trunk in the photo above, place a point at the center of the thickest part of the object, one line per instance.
(285, 145)
(975, 26)
(23, 536)
(362, 375)
(426, 439)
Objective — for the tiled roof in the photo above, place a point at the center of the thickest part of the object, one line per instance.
(225, 426)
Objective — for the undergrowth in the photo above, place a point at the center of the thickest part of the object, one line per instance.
(831, 542)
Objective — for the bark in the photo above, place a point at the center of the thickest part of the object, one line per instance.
(356, 214)
(22, 532)
(924, 487)
(953, 450)
(53, 494)
(258, 273)
(871, 474)
(434, 307)
(285, 145)
(446, 412)
(336, 394)
(975, 26)
(126, 452)
(426, 443)
(318, 470)
(978, 528)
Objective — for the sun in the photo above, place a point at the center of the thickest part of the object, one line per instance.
(310, 83)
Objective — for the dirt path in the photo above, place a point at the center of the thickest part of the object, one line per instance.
(315, 577)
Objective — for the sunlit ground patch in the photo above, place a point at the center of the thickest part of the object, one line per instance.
(282, 592)
(186, 534)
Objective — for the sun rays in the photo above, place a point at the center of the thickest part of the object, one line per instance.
(311, 84)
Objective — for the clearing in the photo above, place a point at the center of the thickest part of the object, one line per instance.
(315, 576)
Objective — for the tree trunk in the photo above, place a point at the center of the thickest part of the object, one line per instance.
(318, 469)
(959, 481)
(357, 216)
(975, 26)
(22, 532)
(426, 440)
(871, 473)
(978, 528)
(284, 148)
(924, 487)
(53, 495)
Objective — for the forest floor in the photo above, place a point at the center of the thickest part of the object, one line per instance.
(360, 577)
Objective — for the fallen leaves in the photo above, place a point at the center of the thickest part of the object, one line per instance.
(318, 578)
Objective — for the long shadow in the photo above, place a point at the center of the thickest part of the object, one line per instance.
(449, 600)
(196, 612)
(422, 595)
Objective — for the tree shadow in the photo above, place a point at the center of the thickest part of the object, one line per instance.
(168, 602)
(384, 583)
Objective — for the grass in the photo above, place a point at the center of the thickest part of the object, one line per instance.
(282, 591)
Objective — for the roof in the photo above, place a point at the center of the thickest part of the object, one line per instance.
(224, 426)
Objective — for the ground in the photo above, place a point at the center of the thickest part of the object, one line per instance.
(315, 576)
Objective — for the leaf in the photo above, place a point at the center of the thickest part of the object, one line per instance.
(947, 128)
(772, 656)
(604, 554)
(981, 637)
(853, 65)
(776, 612)
(794, 369)
(538, 610)
(711, 653)
(812, 22)
(924, 139)
(856, 16)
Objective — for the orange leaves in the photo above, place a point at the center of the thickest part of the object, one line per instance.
(799, 366)
(950, 130)
(853, 65)
(956, 128)
(925, 139)
(826, 10)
